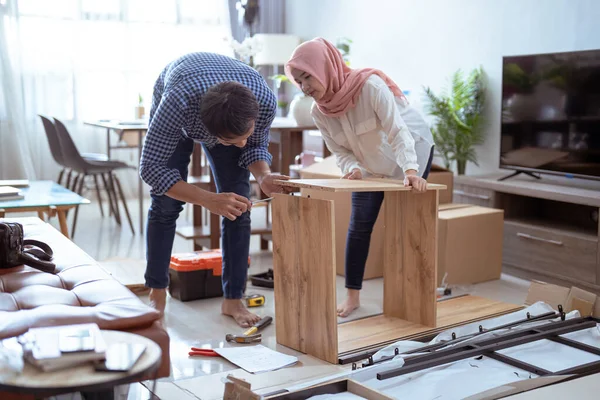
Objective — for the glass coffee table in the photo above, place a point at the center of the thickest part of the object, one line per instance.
(45, 197)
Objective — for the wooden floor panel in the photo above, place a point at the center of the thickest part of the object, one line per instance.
(379, 329)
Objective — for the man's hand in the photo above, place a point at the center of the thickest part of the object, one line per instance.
(265, 178)
(268, 185)
(354, 174)
(228, 205)
(412, 179)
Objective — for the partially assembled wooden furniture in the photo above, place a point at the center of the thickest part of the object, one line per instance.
(304, 261)
(304, 272)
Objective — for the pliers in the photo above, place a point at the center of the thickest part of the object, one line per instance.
(203, 352)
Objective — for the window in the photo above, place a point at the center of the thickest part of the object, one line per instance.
(91, 59)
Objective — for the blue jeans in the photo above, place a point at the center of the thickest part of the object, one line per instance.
(365, 210)
(235, 235)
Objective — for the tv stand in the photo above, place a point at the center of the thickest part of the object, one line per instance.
(551, 229)
(520, 172)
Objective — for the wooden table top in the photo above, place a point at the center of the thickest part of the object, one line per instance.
(118, 125)
(44, 194)
(347, 185)
(84, 377)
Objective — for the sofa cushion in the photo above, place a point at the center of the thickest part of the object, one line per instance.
(81, 291)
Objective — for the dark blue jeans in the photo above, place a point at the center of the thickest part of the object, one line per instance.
(235, 235)
(365, 210)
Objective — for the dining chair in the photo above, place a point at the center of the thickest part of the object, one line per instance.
(56, 152)
(105, 169)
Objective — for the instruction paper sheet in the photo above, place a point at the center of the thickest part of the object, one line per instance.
(256, 359)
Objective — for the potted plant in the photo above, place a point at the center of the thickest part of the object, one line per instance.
(140, 111)
(458, 114)
(343, 45)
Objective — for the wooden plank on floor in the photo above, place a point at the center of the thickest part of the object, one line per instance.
(347, 185)
(410, 260)
(372, 331)
(304, 275)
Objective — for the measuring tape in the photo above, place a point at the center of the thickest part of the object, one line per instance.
(255, 300)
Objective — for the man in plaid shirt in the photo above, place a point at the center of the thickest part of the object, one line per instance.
(228, 107)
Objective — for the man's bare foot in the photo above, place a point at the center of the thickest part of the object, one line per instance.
(234, 308)
(352, 303)
(158, 300)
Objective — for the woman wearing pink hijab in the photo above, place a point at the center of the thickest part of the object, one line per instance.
(367, 123)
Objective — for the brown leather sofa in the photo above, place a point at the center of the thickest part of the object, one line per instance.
(80, 292)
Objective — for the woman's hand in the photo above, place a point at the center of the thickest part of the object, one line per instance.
(354, 174)
(412, 179)
(228, 205)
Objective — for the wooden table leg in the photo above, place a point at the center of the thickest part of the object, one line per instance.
(410, 261)
(297, 143)
(215, 231)
(197, 222)
(108, 143)
(62, 219)
(286, 153)
(41, 215)
(275, 150)
(2, 213)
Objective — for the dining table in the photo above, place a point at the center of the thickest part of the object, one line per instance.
(285, 134)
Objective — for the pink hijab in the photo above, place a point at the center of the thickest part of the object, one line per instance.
(323, 60)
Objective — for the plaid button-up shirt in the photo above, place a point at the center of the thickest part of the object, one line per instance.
(176, 107)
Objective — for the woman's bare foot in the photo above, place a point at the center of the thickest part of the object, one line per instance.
(352, 303)
(158, 300)
(234, 308)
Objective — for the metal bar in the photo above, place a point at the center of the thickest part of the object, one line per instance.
(518, 363)
(509, 336)
(575, 344)
(482, 348)
(536, 318)
(366, 354)
(588, 368)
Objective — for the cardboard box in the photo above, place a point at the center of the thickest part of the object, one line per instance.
(442, 176)
(469, 244)
(573, 298)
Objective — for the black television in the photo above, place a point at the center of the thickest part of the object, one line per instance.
(550, 119)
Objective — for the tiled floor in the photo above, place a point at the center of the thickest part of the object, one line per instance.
(199, 323)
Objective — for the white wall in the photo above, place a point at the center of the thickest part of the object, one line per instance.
(422, 42)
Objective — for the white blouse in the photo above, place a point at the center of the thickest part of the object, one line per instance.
(382, 135)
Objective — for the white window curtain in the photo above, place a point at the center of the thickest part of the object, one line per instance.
(80, 60)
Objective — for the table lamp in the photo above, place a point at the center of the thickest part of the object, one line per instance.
(276, 48)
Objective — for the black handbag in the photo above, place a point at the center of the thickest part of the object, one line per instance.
(15, 251)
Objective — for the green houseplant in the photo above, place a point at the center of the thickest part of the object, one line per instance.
(458, 125)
